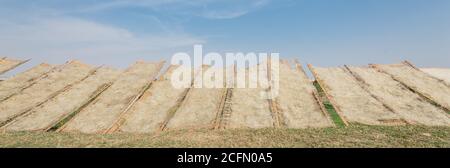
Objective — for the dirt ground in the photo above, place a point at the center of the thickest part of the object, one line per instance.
(107, 108)
(421, 82)
(298, 105)
(355, 104)
(43, 90)
(22, 80)
(149, 113)
(404, 102)
(56, 109)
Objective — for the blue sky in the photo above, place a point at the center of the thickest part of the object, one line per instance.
(321, 32)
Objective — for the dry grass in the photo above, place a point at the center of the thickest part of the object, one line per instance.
(297, 103)
(248, 108)
(440, 73)
(160, 98)
(354, 103)
(55, 82)
(402, 101)
(22, 80)
(108, 107)
(200, 107)
(421, 82)
(352, 136)
(7, 64)
(54, 110)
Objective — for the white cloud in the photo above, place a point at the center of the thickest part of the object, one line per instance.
(76, 37)
(223, 14)
(211, 9)
(53, 31)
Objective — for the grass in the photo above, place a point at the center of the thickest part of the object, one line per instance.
(351, 136)
(330, 109)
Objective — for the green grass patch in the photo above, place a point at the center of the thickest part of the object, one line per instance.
(329, 107)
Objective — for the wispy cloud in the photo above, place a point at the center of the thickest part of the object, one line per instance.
(50, 30)
(77, 37)
(54, 29)
(211, 9)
